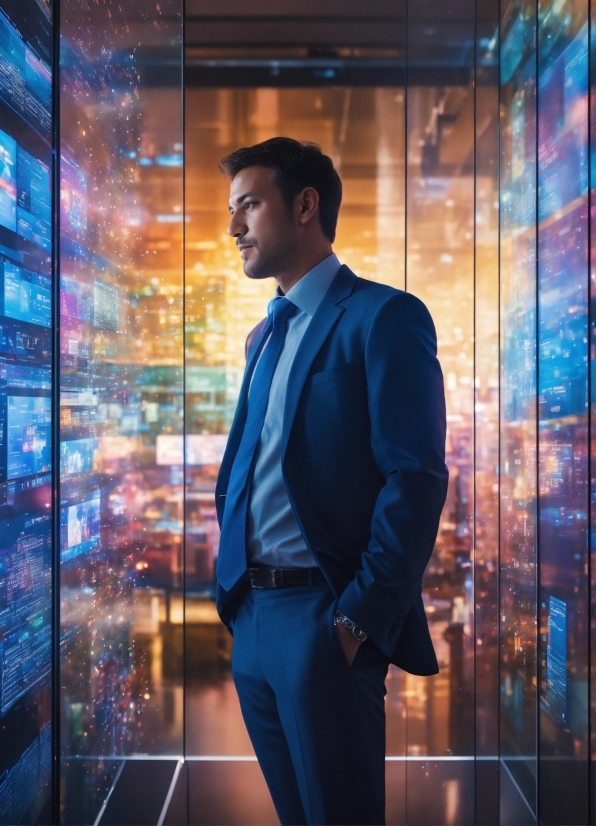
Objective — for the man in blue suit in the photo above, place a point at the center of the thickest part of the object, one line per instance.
(328, 497)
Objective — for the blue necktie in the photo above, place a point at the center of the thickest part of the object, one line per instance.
(231, 560)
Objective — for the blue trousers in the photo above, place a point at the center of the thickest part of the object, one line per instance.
(316, 723)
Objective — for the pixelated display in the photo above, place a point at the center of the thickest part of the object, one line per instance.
(563, 469)
(8, 183)
(25, 561)
(25, 78)
(80, 525)
(24, 787)
(27, 295)
(25, 413)
(518, 431)
(120, 390)
(28, 424)
(33, 199)
(556, 659)
(544, 426)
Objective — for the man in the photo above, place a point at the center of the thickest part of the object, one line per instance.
(328, 497)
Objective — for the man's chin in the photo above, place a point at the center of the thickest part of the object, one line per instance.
(255, 272)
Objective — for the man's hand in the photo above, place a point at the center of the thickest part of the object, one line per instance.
(348, 643)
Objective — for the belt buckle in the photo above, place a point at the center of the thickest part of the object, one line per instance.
(274, 580)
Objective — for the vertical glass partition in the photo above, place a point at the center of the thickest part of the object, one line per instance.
(121, 409)
(26, 56)
(563, 409)
(486, 408)
(518, 428)
(440, 270)
(592, 398)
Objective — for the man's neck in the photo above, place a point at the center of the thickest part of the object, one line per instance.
(306, 263)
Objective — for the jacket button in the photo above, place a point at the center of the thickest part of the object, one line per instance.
(397, 626)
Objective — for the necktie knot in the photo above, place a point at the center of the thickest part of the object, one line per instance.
(283, 309)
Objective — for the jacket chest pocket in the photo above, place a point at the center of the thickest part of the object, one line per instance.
(333, 374)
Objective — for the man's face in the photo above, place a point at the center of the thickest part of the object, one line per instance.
(264, 228)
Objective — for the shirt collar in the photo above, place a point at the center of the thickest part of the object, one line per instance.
(308, 293)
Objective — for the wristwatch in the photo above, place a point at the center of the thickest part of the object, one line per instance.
(357, 633)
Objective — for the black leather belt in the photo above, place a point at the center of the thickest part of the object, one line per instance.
(284, 577)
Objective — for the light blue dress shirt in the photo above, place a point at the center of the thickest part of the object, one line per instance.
(274, 537)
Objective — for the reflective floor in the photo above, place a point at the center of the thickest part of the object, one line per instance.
(232, 791)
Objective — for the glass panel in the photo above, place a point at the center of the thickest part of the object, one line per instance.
(26, 55)
(486, 415)
(121, 413)
(362, 129)
(440, 271)
(592, 401)
(563, 408)
(518, 396)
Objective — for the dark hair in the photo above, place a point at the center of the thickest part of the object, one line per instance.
(294, 165)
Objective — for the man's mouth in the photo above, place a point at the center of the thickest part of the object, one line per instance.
(243, 248)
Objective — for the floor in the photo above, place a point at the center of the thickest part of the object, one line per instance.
(231, 791)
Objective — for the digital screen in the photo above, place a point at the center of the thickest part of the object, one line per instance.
(75, 301)
(29, 342)
(25, 79)
(201, 449)
(34, 203)
(563, 452)
(205, 449)
(106, 306)
(80, 528)
(25, 410)
(78, 456)
(8, 181)
(169, 450)
(25, 378)
(24, 786)
(27, 295)
(29, 435)
(556, 659)
(25, 622)
(76, 309)
(73, 199)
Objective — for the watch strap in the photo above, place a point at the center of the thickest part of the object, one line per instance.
(358, 633)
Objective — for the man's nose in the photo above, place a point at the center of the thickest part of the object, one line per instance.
(235, 227)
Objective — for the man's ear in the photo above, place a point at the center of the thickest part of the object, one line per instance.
(307, 204)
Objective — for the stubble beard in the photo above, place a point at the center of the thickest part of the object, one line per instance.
(270, 263)
(267, 265)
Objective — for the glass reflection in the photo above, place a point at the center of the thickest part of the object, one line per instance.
(563, 407)
(440, 270)
(121, 412)
(518, 581)
(486, 404)
(592, 400)
(25, 412)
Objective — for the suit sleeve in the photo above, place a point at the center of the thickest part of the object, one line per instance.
(406, 403)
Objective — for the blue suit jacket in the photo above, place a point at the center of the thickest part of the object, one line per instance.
(363, 457)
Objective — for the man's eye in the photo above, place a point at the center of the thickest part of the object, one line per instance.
(250, 204)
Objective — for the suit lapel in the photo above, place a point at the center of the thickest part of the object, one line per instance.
(323, 321)
(317, 331)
